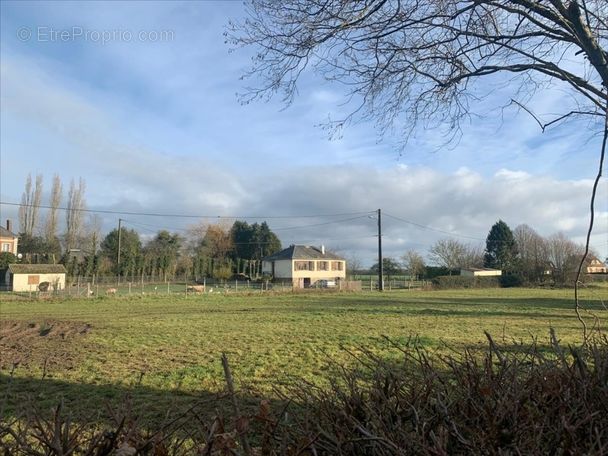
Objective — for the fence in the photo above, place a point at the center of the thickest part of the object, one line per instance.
(153, 285)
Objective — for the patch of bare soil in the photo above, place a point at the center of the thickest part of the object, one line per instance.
(48, 343)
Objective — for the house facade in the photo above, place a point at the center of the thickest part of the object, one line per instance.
(28, 277)
(305, 266)
(8, 239)
(595, 266)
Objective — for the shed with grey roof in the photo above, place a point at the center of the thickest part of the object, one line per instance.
(35, 277)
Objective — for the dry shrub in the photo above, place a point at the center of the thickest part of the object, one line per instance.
(512, 399)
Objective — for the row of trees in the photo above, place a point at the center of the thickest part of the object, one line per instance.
(522, 252)
(42, 236)
(205, 250)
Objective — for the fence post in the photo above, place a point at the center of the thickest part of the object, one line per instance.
(97, 290)
(236, 285)
(88, 290)
(129, 288)
(168, 287)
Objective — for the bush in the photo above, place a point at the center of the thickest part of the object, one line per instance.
(514, 399)
(458, 281)
(511, 280)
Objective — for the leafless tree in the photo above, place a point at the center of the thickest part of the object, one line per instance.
(30, 205)
(423, 58)
(74, 214)
(212, 238)
(453, 254)
(413, 62)
(564, 256)
(533, 254)
(93, 233)
(50, 227)
(413, 264)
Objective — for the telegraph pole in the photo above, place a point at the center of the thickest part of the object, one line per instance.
(119, 239)
(380, 266)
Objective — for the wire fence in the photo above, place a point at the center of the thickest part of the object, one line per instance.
(90, 287)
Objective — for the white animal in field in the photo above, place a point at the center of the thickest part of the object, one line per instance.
(111, 291)
(196, 288)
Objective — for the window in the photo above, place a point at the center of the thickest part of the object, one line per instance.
(6, 247)
(33, 279)
(304, 265)
(337, 265)
(323, 266)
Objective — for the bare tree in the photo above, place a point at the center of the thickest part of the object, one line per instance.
(453, 254)
(24, 208)
(74, 214)
(533, 255)
(30, 205)
(413, 264)
(423, 58)
(564, 256)
(92, 231)
(52, 221)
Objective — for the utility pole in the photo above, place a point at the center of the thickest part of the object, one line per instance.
(119, 242)
(380, 266)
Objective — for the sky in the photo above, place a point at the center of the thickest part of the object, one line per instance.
(140, 100)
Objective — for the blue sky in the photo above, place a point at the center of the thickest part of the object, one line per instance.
(156, 126)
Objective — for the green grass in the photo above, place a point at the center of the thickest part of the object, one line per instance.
(169, 347)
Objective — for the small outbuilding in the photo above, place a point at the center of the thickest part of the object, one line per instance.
(35, 277)
(480, 272)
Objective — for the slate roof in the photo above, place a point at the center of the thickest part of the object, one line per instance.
(37, 268)
(302, 252)
(6, 233)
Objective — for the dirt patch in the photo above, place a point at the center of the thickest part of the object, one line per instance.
(48, 343)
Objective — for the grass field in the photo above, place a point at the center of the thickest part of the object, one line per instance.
(166, 349)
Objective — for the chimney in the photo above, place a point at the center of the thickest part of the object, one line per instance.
(322, 250)
(9, 225)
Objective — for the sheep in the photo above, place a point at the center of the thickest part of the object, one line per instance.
(196, 288)
(111, 291)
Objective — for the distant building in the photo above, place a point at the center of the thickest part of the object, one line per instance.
(305, 266)
(29, 277)
(595, 266)
(480, 272)
(8, 239)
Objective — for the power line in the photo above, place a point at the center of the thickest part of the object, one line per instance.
(430, 228)
(154, 228)
(321, 224)
(158, 214)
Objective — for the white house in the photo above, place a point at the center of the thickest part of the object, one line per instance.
(28, 277)
(305, 265)
(595, 266)
(480, 272)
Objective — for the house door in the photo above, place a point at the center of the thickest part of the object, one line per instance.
(306, 282)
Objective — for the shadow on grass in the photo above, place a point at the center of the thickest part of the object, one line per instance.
(94, 403)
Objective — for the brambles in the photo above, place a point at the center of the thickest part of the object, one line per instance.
(517, 399)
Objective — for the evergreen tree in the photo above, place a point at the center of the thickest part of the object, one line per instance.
(501, 248)
(390, 267)
(130, 248)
